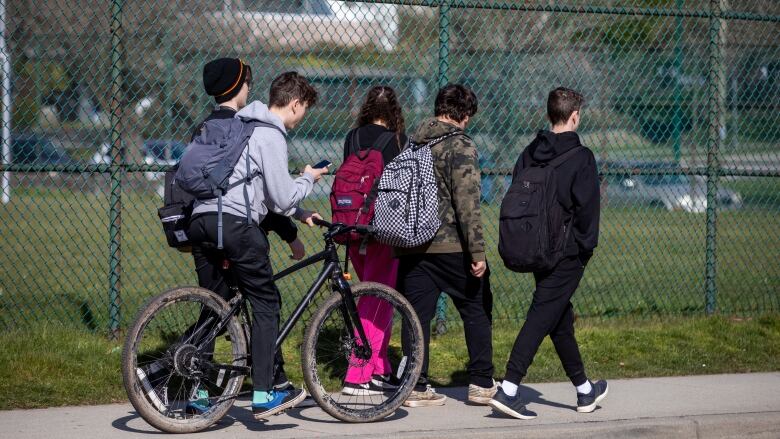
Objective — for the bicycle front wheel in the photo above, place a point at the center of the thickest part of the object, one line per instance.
(351, 383)
(180, 372)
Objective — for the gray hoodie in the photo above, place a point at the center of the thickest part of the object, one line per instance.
(274, 189)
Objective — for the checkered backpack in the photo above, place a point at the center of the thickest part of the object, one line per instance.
(406, 212)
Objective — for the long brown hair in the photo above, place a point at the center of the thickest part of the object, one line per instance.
(382, 104)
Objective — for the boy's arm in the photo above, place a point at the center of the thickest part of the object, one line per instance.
(586, 196)
(465, 190)
(281, 225)
(283, 193)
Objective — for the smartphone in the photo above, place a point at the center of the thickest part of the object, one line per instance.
(322, 164)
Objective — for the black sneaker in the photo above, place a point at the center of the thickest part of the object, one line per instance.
(288, 386)
(378, 385)
(282, 400)
(511, 405)
(587, 402)
(387, 382)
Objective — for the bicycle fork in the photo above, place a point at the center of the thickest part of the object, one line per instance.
(350, 314)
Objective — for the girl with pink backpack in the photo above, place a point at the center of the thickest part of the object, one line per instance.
(378, 138)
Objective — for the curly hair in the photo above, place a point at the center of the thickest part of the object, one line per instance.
(382, 104)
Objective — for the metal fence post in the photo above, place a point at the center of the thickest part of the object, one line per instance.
(443, 79)
(678, 57)
(115, 201)
(717, 100)
(444, 43)
(5, 69)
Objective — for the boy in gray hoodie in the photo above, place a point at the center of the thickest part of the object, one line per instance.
(245, 244)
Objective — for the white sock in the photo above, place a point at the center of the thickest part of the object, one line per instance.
(509, 388)
(584, 388)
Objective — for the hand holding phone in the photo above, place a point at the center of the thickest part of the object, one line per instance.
(318, 170)
(322, 164)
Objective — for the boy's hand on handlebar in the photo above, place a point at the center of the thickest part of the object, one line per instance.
(309, 218)
(317, 173)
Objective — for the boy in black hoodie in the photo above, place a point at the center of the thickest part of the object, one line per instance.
(551, 311)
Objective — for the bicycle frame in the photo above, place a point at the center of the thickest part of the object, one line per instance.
(331, 270)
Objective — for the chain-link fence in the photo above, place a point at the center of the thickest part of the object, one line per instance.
(683, 114)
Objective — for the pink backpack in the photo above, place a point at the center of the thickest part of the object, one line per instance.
(353, 192)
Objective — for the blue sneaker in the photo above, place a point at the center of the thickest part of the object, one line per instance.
(282, 400)
(510, 405)
(199, 406)
(587, 402)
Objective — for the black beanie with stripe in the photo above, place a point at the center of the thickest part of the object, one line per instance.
(223, 78)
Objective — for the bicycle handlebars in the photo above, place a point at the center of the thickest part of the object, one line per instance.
(335, 229)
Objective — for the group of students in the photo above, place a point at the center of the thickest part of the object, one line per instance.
(453, 262)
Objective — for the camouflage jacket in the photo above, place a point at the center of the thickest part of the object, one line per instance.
(457, 174)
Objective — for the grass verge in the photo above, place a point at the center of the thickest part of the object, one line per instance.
(47, 366)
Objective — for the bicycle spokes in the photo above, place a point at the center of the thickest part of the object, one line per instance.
(185, 362)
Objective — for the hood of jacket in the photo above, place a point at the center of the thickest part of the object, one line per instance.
(431, 129)
(548, 145)
(258, 111)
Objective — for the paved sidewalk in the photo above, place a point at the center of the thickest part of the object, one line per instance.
(714, 406)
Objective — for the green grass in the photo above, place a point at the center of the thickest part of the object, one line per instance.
(54, 262)
(45, 366)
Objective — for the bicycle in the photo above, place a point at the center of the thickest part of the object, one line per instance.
(188, 340)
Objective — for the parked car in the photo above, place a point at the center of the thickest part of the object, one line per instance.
(102, 155)
(665, 187)
(155, 151)
(162, 152)
(32, 149)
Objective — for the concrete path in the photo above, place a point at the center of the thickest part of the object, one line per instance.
(714, 406)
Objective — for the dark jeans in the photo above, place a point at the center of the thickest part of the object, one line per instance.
(421, 278)
(551, 313)
(246, 247)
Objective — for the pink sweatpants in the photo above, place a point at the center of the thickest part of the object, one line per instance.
(376, 315)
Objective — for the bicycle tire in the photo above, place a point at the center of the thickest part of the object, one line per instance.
(141, 399)
(413, 364)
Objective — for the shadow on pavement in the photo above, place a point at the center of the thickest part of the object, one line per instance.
(122, 424)
(528, 394)
(235, 414)
(299, 413)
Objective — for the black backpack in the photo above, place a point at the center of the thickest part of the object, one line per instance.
(533, 226)
(176, 212)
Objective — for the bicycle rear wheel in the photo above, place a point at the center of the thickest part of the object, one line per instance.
(176, 378)
(331, 355)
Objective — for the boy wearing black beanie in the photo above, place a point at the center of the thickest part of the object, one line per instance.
(229, 80)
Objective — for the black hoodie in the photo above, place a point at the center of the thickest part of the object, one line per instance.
(578, 186)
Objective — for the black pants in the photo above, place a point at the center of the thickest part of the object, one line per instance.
(246, 247)
(551, 313)
(421, 278)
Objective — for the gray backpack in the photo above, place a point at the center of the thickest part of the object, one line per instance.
(209, 160)
(406, 211)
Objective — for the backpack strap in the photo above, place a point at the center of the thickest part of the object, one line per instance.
(437, 140)
(384, 140)
(354, 144)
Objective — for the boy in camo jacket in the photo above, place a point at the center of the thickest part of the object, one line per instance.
(454, 261)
